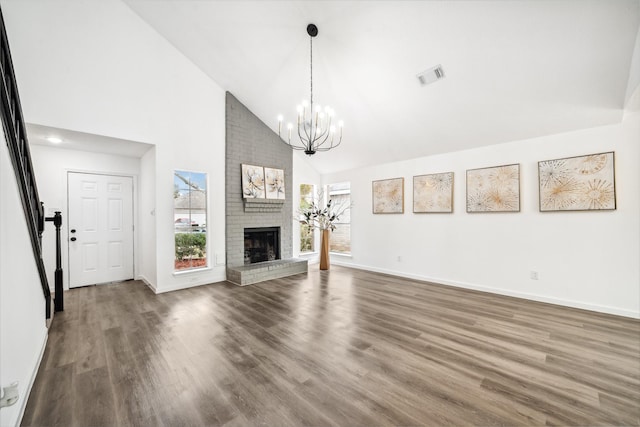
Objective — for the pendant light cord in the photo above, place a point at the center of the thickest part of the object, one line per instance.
(311, 62)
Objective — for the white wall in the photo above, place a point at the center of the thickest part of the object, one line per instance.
(23, 331)
(303, 173)
(584, 259)
(51, 165)
(634, 73)
(147, 218)
(115, 76)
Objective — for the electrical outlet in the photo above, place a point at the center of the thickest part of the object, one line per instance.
(399, 259)
(533, 275)
(9, 395)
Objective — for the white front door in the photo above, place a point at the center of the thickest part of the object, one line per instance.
(100, 228)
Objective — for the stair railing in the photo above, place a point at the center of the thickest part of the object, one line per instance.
(16, 138)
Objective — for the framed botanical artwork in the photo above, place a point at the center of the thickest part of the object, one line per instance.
(581, 183)
(388, 196)
(433, 193)
(274, 183)
(494, 189)
(252, 182)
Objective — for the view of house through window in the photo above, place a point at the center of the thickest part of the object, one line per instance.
(340, 195)
(190, 219)
(307, 242)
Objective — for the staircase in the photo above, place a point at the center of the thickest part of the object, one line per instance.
(16, 139)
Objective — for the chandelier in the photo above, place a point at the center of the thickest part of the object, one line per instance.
(316, 130)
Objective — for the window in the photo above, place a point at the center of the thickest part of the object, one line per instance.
(340, 195)
(190, 219)
(307, 241)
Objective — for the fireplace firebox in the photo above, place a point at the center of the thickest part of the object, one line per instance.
(261, 244)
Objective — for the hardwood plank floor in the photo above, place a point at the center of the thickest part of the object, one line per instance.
(338, 348)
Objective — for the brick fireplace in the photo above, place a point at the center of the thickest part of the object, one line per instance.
(250, 141)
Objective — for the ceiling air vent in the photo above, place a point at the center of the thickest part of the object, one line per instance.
(431, 75)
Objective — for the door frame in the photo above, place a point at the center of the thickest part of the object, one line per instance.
(65, 225)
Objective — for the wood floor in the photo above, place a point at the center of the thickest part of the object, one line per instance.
(344, 347)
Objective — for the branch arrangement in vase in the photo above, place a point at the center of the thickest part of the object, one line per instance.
(322, 218)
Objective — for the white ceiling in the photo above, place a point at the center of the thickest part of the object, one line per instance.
(73, 140)
(514, 69)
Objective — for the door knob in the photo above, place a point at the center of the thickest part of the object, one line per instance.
(73, 230)
(73, 239)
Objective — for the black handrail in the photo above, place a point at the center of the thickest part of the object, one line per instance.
(16, 138)
(58, 298)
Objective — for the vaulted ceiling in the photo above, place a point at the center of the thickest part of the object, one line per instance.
(514, 69)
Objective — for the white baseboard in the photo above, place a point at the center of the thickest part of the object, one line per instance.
(540, 298)
(215, 278)
(147, 282)
(311, 257)
(25, 396)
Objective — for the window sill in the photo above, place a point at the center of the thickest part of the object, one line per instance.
(191, 270)
(306, 254)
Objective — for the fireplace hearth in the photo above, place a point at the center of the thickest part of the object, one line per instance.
(261, 244)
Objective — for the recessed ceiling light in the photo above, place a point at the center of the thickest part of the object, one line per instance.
(54, 139)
